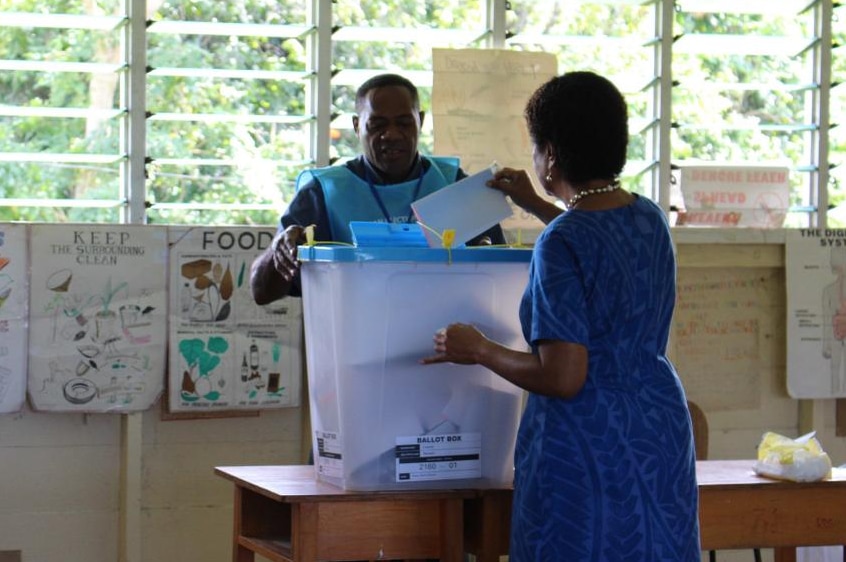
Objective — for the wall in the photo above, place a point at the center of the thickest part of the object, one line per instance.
(750, 396)
(60, 495)
(745, 395)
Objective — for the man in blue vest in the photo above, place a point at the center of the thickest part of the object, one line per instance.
(378, 185)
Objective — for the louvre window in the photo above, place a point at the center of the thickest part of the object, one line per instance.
(206, 112)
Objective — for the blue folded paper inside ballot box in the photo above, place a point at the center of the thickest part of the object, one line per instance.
(380, 420)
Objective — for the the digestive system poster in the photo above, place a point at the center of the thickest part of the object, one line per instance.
(98, 317)
(227, 352)
(14, 293)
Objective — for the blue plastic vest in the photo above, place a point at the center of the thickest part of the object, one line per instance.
(348, 197)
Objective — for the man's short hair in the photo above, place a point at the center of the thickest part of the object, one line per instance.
(383, 81)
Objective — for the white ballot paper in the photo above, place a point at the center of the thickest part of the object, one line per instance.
(468, 207)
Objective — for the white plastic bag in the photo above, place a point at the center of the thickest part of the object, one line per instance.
(799, 460)
(819, 554)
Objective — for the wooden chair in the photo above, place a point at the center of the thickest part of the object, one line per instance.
(700, 430)
(700, 443)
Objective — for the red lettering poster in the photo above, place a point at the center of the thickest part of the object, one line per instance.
(728, 196)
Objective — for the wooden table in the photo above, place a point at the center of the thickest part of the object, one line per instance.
(737, 510)
(284, 514)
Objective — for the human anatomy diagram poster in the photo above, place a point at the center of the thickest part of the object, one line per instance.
(98, 317)
(14, 301)
(478, 98)
(227, 352)
(816, 312)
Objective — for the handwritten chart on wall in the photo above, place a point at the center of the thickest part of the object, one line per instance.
(98, 319)
(716, 340)
(478, 98)
(14, 301)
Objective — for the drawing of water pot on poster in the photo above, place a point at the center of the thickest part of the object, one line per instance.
(206, 291)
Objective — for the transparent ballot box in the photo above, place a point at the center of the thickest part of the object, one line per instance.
(381, 420)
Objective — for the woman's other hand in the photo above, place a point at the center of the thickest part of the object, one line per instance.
(457, 343)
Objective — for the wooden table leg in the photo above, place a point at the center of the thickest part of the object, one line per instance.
(784, 554)
(452, 530)
(487, 525)
(239, 553)
(304, 532)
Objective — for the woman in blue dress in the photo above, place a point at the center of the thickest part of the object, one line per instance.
(604, 462)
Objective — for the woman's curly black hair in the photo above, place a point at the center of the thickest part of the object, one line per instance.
(584, 118)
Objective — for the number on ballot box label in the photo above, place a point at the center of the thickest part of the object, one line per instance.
(450, 456)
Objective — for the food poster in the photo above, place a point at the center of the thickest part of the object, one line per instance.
(14, 302)
(98, 320)
(815, 260)
(226, 352)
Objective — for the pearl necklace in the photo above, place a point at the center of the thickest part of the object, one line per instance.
(614, 185)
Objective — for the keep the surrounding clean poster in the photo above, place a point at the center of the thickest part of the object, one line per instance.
(98, 317)
(227, 352)
(14, 300)
(816, 312)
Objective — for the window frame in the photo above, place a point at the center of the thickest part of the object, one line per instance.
(319, 34)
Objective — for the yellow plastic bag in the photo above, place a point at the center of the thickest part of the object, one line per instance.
(799, 460)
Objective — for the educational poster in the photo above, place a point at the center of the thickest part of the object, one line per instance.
(98, 318)
(815, 260)
(715, 342)
(733, 196)
(478, 98)
(14, 302)
(226, 352)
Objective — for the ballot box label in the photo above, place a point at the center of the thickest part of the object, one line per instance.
(439, 457)
(330, 461)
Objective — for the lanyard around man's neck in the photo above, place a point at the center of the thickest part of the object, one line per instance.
(369, 177)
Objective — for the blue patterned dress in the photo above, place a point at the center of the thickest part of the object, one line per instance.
(608, 475)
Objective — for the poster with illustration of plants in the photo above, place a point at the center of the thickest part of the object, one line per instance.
(14, 299)
(98, 317)
(225, 351)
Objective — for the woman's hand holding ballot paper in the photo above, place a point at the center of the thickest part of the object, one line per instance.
(518, 187)
(461, 211)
